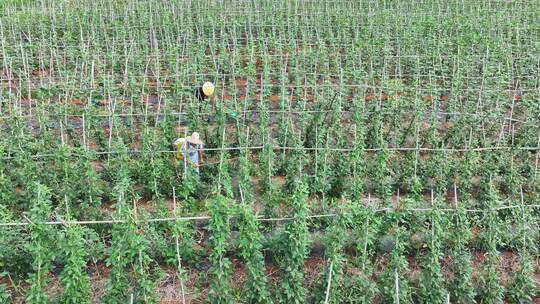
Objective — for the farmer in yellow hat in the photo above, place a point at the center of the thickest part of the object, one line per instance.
(189, 151)
(204, 91)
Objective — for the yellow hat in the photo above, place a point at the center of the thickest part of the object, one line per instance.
(208, 88)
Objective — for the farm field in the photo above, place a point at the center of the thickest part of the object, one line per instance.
(361, 151)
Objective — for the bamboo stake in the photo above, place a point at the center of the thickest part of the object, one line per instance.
(61, 133)
(397, 286)
(221, 159)
(402, 149)
(537, 157)
(329, 283)
(186, 147)
(180, 271)
(285, 112)
(455, 196)
(258, 218)
(84, 132)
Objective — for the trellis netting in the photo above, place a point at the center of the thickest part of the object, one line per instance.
(354, 151)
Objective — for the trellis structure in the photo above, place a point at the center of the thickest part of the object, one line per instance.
(383, 132)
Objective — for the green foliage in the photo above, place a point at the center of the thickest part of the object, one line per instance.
(432, 281)
(522, 286)
(220, 272)
(184, 231)
(89, 183)
(119, 165)
(145, 274)
(121, 253)
(149, 171)
(295, 250)
(491, 235)
(128, 249)
(357, 161)
(334, 242)
(380, 171)
(491, 290)
(41, 243)
(224, 182)
(190, 185)
(245, 186)
(436, 169)
(361, 288)
(250, 249)
(15, 259)
(266, 155)
(394, 283)
(409, 180)
(461, 288)
(74, 279)
(14, 3)
(322, 171)
(335, 101)
(465, 172)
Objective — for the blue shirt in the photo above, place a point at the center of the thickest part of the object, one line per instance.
(192, 153)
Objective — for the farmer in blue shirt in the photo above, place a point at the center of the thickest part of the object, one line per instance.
(189, 151)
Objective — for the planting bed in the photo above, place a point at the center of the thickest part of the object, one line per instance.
(355, 151)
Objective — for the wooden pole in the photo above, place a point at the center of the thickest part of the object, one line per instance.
(180, 271)
(329, 283)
